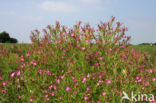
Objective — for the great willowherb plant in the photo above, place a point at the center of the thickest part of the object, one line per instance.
(75, 65)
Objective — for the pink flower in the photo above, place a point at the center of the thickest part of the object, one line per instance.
(87, 57)
(89, 90)
(58, 81)
(18, 80)
(151, 71)
(84, 80)
(87, 23)
(43, 30)
(34, 63)
(86, 98)
(30, 99)
(100, 76)
(97, 42)
(19, 97)
(78, 39)
(75, 91)
(83, 34)
(110, 49)
(52, 94)
(67, 34)
(103, 63)
(99, 82)
(12, 74)
(154, 79)
(73, 79)
(108, 81)
(102, 26)
(47, 99)
(4, 91)
(46, 95)
(113, 66)
(75, 84)
(137, 77)
(103, 93)
(45, 71)
(60, 97)
(12, 46)
(139, 80)
(147, 83)
(18, 73)
(83, 48)
(59, 41)
(1, 78)
(72, 35)
(40, 71)
(143, 88)
(27, 54)
(57, 23)
(96, 64)
(93, 78)
(31, 36)
(80, 22)
(54, 87)
(22, 66)
(78, 45)
(69, 71)
(21, 78)
(50, 86)
(4, 84)
(18, 86)
(88, 75)
(22, 59)
(126, 28)
(88, 41)
(68, 89)
(62, 76)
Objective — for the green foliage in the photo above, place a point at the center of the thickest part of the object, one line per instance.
(75, 65)
(5, 38)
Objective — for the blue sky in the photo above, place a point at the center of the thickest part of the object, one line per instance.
(20, 17)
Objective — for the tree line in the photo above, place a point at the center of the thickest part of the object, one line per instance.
(5, 38)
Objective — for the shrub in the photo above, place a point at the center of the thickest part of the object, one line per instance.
(78, 65)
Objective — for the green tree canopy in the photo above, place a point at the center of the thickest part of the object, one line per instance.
(5, 38)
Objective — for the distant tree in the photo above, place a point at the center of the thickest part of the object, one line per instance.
(5, 38)
(147, 44)
(13, 40)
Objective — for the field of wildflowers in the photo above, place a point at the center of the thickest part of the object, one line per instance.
(75, 65)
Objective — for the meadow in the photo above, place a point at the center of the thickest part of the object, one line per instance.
(77, 65)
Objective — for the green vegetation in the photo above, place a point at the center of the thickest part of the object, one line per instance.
(151, 50)
(77, 65)
(5, 38)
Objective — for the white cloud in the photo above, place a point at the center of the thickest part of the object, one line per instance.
(53, 6)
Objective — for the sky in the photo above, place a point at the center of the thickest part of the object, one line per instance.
(20, 17)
